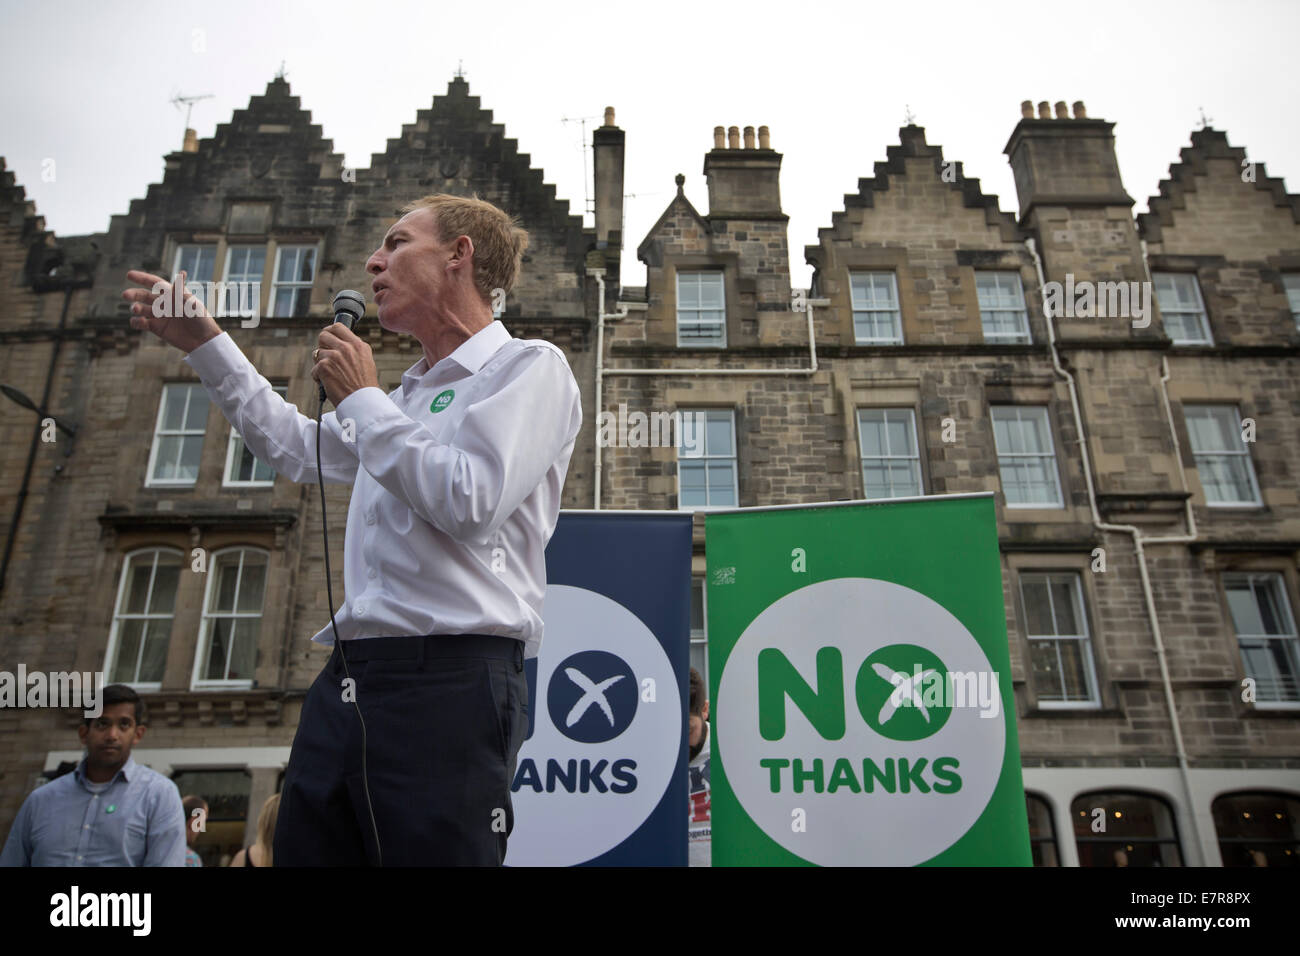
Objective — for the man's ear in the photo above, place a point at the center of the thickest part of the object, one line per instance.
(705, 712)
(462, 250)
(139, 732)
(83, 731)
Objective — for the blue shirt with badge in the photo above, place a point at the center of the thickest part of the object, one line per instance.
(135, 819)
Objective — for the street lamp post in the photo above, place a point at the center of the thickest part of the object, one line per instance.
(69, 429)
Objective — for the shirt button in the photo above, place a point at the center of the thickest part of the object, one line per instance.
(85, 826)
(361, 609)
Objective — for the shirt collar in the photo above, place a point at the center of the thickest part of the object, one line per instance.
(471, 355)
(126, 771)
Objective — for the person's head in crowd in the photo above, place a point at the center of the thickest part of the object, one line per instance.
(108, 738)
(191, 803)
(698, 713)
(266, 827)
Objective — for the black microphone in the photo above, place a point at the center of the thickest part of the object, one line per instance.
(349, 307)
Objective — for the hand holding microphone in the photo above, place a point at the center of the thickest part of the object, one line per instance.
(344, 363)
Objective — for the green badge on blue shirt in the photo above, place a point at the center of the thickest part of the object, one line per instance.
(110, 808)
(442, 401)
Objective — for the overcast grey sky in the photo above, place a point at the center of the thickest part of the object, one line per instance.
(88, 85)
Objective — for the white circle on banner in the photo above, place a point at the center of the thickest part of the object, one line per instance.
(859, 616)
(563, 828)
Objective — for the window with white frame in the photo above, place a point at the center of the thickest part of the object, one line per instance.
(876, 319)
(1060, 649)
(1179, 296)
(891, 459)
(244, 265)
(1292, 283)
(699, 631)
(178, 435)
(1002, 307)
(1222, 459)
(1266, 634)
(295, 271)
(198, 260)
(701, 309)
(706, 459)
(142, 618)
(232, 618)
(242, 468)
(1026, 456)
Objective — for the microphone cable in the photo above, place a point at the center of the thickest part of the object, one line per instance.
(329, 593)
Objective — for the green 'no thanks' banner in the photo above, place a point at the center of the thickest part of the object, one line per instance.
(861, 688)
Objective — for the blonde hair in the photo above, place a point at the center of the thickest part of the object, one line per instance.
(499, 242)
(266, 827)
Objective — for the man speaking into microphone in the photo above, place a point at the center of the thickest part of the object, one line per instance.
(407, 741)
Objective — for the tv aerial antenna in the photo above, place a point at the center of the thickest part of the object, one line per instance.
(586, 186)
(189, 102)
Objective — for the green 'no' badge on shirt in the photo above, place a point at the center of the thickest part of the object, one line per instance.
(442, 401)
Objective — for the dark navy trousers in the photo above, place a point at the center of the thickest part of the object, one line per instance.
(444, 717)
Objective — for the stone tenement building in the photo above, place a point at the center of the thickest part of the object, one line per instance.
(1144, 455)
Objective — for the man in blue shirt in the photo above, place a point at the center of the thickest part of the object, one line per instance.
(110, 811)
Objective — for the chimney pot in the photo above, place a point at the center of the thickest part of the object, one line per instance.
(609, 116)
(1061, 111)
(1079, 111)
(191, 144)
(1044, 110)
(719, 138)
(1027, 109)
(749, 137)
(764, 138)
(733, 137)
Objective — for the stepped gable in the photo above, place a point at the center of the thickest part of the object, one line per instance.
(455, 147)
(19, 213)
(270, 151)
(912, 144)
(680, 212)
(33, 260)
(271, 141)
(26, 246)
(1207, 143)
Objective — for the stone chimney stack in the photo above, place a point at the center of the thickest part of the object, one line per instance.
(607, 149)
(1064, 161)
(744, 183)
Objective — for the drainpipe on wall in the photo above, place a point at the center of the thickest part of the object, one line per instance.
(1138, 539)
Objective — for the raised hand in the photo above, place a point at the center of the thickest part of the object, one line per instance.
(155, 307)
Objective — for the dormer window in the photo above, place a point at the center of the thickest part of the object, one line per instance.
(701, 309)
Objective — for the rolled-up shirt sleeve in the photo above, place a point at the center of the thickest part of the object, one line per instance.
(272, 429)
(504, 446)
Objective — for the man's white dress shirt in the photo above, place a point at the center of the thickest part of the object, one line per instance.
(457, 477)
